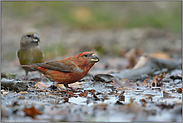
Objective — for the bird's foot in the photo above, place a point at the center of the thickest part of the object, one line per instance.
(71, 89)
(25, 78)
(52, 87)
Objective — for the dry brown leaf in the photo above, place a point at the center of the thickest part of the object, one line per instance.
(146, 82)
(143, 100)
(95, 97)
(160, 55)
(41, 85)
(32, 112)
(121, 83)
(122, 88)
(70, 93)
(22, 92)
(131, 57)
(92, 90)
(143, 60)
(150, 97)
(179, 90)
(84, 94)
(156, 81)
(121, 96)
(21, 97)
(162, 76)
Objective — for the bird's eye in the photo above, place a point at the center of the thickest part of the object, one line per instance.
(28, 35)
(86, 55)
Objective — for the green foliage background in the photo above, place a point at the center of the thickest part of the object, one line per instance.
(86, 16)
(97, 15)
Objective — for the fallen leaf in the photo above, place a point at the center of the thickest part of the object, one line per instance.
(143, 60)
(160, 55)
(121, 96)
(156, 81)
(32, 112)
(146, 82)
(143, 100)
(179, 90)
(70, 93)
(41, 85)
(131, 56)
(22, 92)
(95, 97)
(21, 97)
(150, 97)
(84, 94)
(123, 83)
(92, 90)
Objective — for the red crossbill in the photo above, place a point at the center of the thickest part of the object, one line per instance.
(68, 70)
(29, 52)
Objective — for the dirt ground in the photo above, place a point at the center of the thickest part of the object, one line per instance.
(93, 99)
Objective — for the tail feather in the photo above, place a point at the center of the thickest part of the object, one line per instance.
(32, 67)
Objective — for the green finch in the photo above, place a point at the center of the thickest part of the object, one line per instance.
(29, 52)
(68, 70)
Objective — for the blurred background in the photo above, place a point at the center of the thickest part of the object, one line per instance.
(108, 28)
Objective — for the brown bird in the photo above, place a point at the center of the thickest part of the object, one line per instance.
(67, 70)
(29, 52)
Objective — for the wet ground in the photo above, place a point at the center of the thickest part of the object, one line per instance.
(156, 97)
(105, 99)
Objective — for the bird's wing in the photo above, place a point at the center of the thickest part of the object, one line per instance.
(56, 65)
(20, 56)
(38, 56)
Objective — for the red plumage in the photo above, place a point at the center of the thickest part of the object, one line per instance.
(67, 70)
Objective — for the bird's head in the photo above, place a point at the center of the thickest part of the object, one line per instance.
(29, 39)
(87, 59)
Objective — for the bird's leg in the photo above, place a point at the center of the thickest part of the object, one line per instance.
(41, 77)
(26, 75)
(66, 85)
(54, 86)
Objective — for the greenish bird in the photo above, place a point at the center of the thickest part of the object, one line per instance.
(30, 52)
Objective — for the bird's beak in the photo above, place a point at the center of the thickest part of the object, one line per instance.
(94, 58)
(36, 38)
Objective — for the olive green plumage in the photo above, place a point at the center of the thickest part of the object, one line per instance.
(30, 52)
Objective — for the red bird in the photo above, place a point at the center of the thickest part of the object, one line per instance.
(67, 70)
